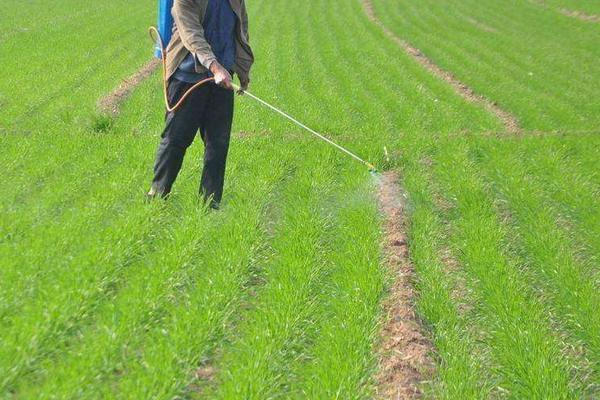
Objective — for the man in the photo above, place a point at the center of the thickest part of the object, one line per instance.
(210, 38)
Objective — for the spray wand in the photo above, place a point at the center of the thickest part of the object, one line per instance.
(155, 35)
(300, 124)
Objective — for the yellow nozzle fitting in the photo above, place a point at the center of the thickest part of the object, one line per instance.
(371, 167)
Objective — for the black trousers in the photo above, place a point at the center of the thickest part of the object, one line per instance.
(208, 109)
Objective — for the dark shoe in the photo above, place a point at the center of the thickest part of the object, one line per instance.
(209, 202)
(154, 194)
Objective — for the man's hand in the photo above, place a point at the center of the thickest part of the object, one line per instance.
(222, 76)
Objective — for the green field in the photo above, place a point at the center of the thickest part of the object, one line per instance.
(280, 293)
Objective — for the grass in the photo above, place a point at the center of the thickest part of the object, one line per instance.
(279, 294)
(483, 42)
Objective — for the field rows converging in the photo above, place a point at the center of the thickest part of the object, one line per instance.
(513, 62)
(510, 122)
(466, 268)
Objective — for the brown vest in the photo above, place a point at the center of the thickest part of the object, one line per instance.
(188, 36)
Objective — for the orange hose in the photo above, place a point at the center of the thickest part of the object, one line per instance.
(152, 30)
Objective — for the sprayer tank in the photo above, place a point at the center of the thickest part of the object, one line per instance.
(165, 24)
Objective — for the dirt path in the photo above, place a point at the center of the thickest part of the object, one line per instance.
(580, 15)
(405, 352)
(569, 13)
(110, 104)
(510, 122)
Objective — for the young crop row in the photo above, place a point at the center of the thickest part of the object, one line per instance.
(519, 225)
(540, 65)
(278, 295)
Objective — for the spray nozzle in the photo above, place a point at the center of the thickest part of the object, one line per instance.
(372, 168)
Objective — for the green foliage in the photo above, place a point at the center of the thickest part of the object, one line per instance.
(102, 123)
(278, 295)
(530, 59)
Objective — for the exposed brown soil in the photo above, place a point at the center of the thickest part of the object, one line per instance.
(205, 373)
(570, 13)
(405, 354)
(110, 103)
(511, 124)
(580, 15)
(204, 376)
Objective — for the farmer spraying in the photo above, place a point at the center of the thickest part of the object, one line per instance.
(209, 40)
(209, 44)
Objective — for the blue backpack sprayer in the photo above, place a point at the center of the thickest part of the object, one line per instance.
(162, 36)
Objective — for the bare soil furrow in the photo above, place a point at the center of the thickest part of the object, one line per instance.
(510, 122)
(569, 13)
(580, 15)
(110, 104)
(405, 354)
